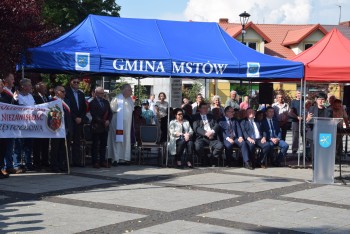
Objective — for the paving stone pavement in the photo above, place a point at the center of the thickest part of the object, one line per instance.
(147, 199)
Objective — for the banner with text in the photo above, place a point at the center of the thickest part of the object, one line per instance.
(39, 121)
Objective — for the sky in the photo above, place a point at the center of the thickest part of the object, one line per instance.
(261, 11)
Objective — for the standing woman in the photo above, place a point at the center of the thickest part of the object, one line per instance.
(180, 132)
(162, 114)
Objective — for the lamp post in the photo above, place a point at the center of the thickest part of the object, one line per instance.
(244, 17)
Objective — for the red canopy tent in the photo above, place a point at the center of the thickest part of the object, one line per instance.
(328, 60)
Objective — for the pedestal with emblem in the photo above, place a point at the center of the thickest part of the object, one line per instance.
(324, 136)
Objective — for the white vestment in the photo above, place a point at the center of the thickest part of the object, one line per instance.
(120, 151)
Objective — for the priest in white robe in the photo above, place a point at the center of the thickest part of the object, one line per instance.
(119, 134)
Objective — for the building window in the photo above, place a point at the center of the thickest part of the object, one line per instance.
(252, 45)
(307, 46)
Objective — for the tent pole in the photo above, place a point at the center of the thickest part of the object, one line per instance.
(304, 126)
(139, 86)
(299, 125)
(167, 139)
(22, 71)
(216, 86)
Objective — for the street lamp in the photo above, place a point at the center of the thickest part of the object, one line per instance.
(244, 17)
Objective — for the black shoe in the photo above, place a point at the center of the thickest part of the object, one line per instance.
(115, 164)
(125, 163)
(276, 164)
(179, 167)
(55, 170)
(63, 169)
(248, 165)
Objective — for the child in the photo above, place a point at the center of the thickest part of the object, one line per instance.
(147, 114)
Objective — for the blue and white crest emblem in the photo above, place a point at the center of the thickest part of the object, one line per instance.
(325, 140)
(253, 69)
(82, 61)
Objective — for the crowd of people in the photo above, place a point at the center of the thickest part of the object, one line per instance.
(211, 131)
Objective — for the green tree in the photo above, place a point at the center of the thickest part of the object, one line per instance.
(67, 14)
(191, 93)
(143, 95)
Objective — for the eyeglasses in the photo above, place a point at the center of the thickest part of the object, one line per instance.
(62, 91)
(76, 82)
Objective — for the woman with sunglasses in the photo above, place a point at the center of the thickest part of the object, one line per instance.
(180, 132)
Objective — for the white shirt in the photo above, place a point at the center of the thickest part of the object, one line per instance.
(206, 123)
(256, 131)
(26, 100)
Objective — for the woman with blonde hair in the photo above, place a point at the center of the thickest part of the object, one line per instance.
(216, 103)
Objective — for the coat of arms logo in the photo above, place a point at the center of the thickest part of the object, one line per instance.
(325, 140)
(54, 118)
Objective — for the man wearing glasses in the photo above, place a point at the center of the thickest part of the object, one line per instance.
(78, 112)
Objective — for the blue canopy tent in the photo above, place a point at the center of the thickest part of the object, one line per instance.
(145, 47)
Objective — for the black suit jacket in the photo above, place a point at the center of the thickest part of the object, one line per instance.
(225, 128)
(39, 100)
(99, 114)
(198, 126)
(248, 130)
(327, 112)
(266, 129)
(7, 98)
(75, 112)
(68, 119)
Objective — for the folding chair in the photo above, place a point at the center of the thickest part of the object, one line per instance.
(149, 140)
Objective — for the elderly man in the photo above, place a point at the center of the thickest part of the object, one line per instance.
(25, 145)
(281, 113)
(207, 133)
(119, 136)
(78, 114)
(232, 101)
(101, 115)
(58, 151)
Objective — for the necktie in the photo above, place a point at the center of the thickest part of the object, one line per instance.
(232, 132)
(206, 123)
(76, 98)
(101, 104)
(272, 129)
(253, 133)
(44, 99)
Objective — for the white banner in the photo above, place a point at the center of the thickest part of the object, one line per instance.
(39, 121)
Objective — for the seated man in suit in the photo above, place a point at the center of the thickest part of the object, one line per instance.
(253, 134)
(272, 133)
(232, 136)
(207, 131)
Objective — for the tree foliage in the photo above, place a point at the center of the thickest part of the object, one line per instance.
(30, 23)
(191, 93)
(21, 27)
(67, 14)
